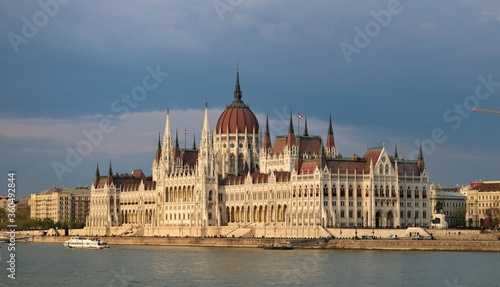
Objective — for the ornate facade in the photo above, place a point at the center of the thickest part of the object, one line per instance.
(238, 183)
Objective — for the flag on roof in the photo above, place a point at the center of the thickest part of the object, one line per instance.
(301, 116)
(186, 131)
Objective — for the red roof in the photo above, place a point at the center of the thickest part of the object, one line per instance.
(237, 119)
(189, 157)
(129, 182)
(257, 177)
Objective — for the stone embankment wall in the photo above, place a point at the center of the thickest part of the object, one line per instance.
(402, 244)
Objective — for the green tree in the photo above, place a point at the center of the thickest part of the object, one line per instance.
(3, 215)
(47, 223)
(459, 215)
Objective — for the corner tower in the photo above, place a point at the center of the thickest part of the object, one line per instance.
(236, 137)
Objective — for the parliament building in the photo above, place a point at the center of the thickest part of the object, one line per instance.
(241, 183)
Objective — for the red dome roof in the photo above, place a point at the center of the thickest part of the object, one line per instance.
(237, 117)
(240, 119)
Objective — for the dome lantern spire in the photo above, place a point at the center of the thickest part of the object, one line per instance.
(237, 89)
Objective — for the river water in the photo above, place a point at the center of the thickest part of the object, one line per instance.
(40, 264)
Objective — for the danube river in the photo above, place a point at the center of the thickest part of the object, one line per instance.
(53, 265)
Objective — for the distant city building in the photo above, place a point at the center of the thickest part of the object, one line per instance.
(240, 184)
(448, 207)
(63, 205)
(22, 206)
(483, 203)
(4, 202)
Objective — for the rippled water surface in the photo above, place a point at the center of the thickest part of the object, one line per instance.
(54, 265)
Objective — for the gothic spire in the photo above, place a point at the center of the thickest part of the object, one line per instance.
(110, 174)
(97, 176)
(110, 170)
(420, 160)
(267, 136)
(306, 134)
(194, 141)
(176, 138)
(158, 149)
(177, 150)
(330, 140)
(159, 141)
(420, 154)
(396, 156)
(290, 141)
(237, 89)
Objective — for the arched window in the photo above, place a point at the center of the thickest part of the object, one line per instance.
(334, 190)
(240, 163)
(358, 191)
(342, 191)
(350, 190)
(232, 164)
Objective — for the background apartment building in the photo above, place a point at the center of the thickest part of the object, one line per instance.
(61, 205)
(483, 203)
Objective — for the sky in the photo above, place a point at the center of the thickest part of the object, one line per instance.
(85, 82)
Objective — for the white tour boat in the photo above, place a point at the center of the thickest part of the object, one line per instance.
(85, 243)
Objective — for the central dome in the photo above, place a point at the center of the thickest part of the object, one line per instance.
(237, 117)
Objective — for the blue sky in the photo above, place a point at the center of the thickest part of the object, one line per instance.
(411, 75)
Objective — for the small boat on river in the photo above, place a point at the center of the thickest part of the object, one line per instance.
(279, 246)
(85, 243)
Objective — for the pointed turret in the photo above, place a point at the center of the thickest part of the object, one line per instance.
(194, 141)
(267, 136)
(158, 150)
(177, 150)
(306, 133)
(97, 176)
(206, 138)
(420, 160)
(167, 138)
(110, 174)
(290, 140)
(330, 141)
(396, 156)
(205, 155)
